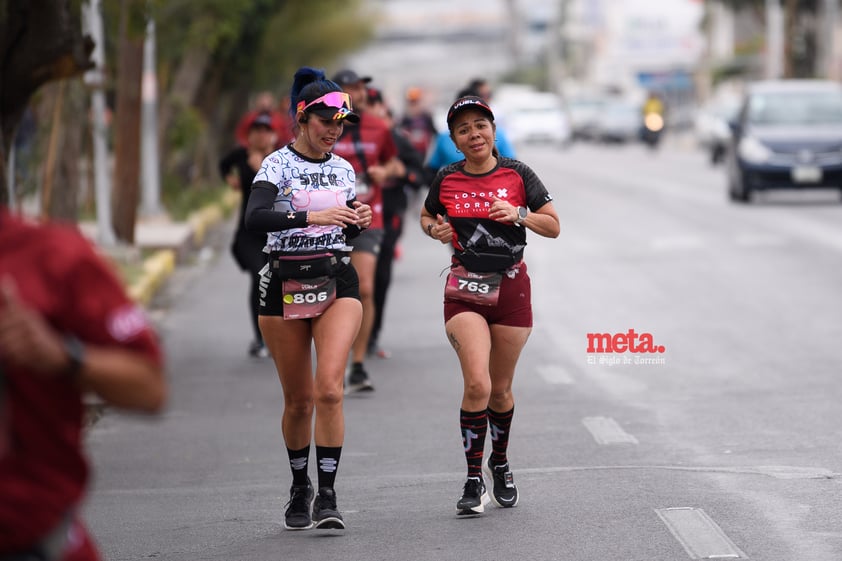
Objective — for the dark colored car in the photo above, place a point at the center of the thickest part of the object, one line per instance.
(787, 135)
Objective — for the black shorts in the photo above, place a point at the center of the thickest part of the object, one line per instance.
(271, 289)
(369, 241)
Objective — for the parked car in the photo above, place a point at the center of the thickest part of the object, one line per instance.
(787, 135)
(619, 121)
(583, 112)
(536, 117)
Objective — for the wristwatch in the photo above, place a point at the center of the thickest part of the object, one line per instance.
(75, 354)
(522, 211)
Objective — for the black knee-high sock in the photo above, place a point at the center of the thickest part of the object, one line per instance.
(500, 424)
(298, 460)
(474, 426)
(328, 459)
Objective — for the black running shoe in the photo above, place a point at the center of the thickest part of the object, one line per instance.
(474, 498)
(297, 515)
(504, 491)
(325, 514)
(358, 379)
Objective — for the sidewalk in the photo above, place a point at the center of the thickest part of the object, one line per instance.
(171, 243)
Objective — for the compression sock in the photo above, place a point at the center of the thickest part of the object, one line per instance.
(298, 463)
(474, 426)
(499, 425)
(328, 459)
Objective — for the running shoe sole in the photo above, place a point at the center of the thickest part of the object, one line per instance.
(330, 523)
(489, 474)
(362, 387)
(295, 528)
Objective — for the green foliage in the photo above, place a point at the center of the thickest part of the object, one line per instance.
(752, 46)
(181, 200)
(248, 46)
(740, 4)
(735, 68)
(211, 24)
(313, 33)
(240, 54)
(259, 43)
(531, 74)
(187, 128)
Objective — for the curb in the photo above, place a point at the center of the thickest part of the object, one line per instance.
(159, 266)
(156, 269)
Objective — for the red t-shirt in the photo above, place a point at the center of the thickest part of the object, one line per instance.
(43, 471)
(378, 146)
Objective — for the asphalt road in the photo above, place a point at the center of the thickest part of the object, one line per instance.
(723, 446)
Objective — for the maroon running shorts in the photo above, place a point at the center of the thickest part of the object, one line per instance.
(514, 306)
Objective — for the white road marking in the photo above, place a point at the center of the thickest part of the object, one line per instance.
(605, 430)
(701, 537)
(553, 374)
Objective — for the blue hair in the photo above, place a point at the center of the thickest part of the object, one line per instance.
(309, 84)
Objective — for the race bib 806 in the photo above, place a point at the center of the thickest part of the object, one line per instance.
(308, 298)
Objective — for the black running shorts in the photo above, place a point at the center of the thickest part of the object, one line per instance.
(368, 241)
(271, 289)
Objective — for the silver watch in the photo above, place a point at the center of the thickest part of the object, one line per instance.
(522, 211)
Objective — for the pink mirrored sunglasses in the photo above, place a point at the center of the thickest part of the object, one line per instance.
(338, 100)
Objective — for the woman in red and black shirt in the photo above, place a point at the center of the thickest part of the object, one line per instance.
(483, 206)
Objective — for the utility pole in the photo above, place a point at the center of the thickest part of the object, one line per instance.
(149, 162)
(93, 78)
(515, 33)
(555, 48)
(774, 39)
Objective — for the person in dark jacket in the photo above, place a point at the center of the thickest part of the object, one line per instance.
(238, 168)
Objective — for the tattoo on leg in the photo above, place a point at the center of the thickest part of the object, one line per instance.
(453, 341)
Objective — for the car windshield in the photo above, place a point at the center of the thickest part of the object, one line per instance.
(796, 108)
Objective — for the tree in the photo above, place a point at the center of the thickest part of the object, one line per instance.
(211, 55)
(127, 119)
(40, 41)
(66, 101)
(800, 35)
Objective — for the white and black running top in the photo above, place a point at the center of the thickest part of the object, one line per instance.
(303, 184)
